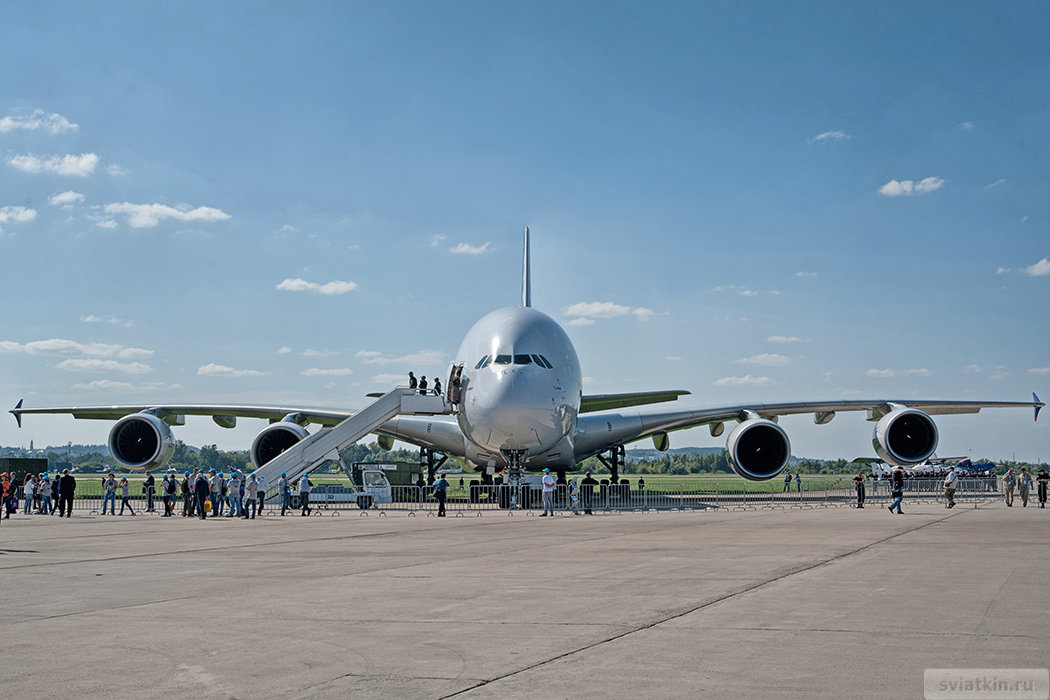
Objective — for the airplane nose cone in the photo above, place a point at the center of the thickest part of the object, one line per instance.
(514, 410)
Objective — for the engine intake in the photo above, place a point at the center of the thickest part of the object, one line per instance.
(905, 437)
(758, 449)
(141, 441)
(275, 439)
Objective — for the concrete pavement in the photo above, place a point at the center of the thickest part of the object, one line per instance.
(798, 603)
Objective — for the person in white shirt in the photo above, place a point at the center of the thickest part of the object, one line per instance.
(262, 491)
(548, 492)
(251, 494)
(951, 481)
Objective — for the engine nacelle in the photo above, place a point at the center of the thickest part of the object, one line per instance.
(141, 441)
(905, 437)
(275, 439)
(758, 449)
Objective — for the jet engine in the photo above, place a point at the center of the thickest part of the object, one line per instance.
(141, 441)
(905, 437)
(275, 439)
(758, 449)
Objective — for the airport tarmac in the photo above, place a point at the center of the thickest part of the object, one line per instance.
(832, 602)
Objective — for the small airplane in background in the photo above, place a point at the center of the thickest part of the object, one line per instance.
(522, 406)
(934, 464)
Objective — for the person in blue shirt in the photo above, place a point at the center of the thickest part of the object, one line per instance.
(440, 492)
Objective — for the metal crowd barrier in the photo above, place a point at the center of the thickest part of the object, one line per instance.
(475, 500)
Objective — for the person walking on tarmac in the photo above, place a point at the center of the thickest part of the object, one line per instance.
(1024, 483)
(897, 490)
(1041, 480)
(440, 493)
(304, 494)
(951, 482)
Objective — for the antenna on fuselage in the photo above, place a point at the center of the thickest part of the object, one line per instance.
(526, 275)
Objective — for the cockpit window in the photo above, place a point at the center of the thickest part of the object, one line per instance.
(542, 361)
(522, 360)
(482, 362)
(502, 359)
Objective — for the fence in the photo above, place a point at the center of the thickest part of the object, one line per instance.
(476, 500)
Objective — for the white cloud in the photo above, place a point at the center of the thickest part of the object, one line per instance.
(95, 365)
(68, 165)
(310, 352)
(1039, 269)
(328, 288)
(116, 170)
(467, 249)
(998, 374)
(805, 274)
(65, 199)
(783, 339)
(149, 215)
(742, 381)
(16, 215)
(387, 378)
(966, 126)
(315, 372)
(284, 350)
(906, 188)
(416, 359)
(833, 136)
(739, 289)
(104, 384)
(586, 312)
(766, 360)
(107, 223)
(63, 346)
(887, 373)
(39, 120)
(436, 240)
(997, 183)
(112, 320)
(1039, 370)
(972, 369)
(215, 370)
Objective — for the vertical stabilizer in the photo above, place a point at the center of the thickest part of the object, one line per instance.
(526, 275)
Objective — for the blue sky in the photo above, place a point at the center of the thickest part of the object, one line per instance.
(268, 203)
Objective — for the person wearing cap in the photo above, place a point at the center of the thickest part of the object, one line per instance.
(285, 491)
(109, 488)
(440, 493)
(54, 493)
(125, 493)
(587, 492)
(574, 496)
(67, 485)
(45, 494)
(251, 496)
(165, 497)
(233, 491)
(1009, 482)
(951, 482)
(216, 484)
(1041, 481)
(260, 481)
(549, 484)
(186, 490)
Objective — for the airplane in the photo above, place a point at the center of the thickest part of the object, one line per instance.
(933, 464)
(522, 407)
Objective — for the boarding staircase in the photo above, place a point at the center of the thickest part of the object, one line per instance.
(313, 451)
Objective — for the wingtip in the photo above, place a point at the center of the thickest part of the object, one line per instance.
(18, 416)
(1038, 406)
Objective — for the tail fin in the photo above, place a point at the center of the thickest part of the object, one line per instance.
(526, 275)
(1035, 399)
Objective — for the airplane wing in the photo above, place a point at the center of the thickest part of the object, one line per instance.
(171, 412)
(604, 402)
(598, 432)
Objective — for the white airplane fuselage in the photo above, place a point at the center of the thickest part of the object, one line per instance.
(521, 388)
